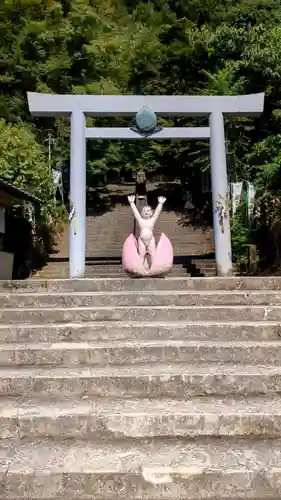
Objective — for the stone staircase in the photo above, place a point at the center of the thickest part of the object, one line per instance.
(105, 237)
(140, 389)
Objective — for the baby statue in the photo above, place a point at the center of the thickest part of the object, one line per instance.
(146, 221)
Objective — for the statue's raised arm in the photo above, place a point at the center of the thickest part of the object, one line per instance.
(131, 200)
(158, 210)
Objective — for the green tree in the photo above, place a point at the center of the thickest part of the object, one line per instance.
(23, 163)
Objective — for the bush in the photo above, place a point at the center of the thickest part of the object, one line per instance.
(242, 234)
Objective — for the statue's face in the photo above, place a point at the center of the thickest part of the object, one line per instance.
(146, 212)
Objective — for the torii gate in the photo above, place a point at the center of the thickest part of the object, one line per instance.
(80, 106)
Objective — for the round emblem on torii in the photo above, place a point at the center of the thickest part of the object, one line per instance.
(146, 120)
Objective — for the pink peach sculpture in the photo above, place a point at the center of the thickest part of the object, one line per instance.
(142, 257)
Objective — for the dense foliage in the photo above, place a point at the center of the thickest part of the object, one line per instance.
(148, 47)
(23, 163)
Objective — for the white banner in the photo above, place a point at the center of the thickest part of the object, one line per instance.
(251, 192)
(57, 177)
(57, 181)
(30, 215)
(236, 194)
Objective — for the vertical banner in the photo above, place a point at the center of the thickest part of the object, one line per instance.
(56, 177)
(236, 195)
(57, 180)
(30, 215)
(251, 194)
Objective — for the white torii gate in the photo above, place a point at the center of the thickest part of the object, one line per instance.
(80, 106)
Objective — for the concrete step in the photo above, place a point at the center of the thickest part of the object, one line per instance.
(205, 266)
(107, 268)
(141, 313)
(60, 273)
(158, 284)
(121, 419)
(205, 274)
(117, 273)
(95, 275)
(202, 469)
(119, 270)
(198, 244)
(185, 241)
(143, 298)
(64, 275)
(204, 262)
(115, 252)
(118, 267)
(182, 330)
(111, 268)
(177, 381)
(120, 352)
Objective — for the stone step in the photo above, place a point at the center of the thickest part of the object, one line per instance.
(115, 253)
(203, 273)
(117, 267)
(212, 469)
(107, 268)
(141, 313)
(94, 331)
(104, 268)
(121, 419)
(126, 284)
(126, 227)
(181, 271)
(108, 236)
(188, 242)
(90, 271)
(204, 266)
(143, 298)
(205, 263)
(92, 274)
(184, 238)
(185, 241)
(119, 272)
(143, 381)
(63, 274)
(73, 354)
(116, 250)
(105, 261)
